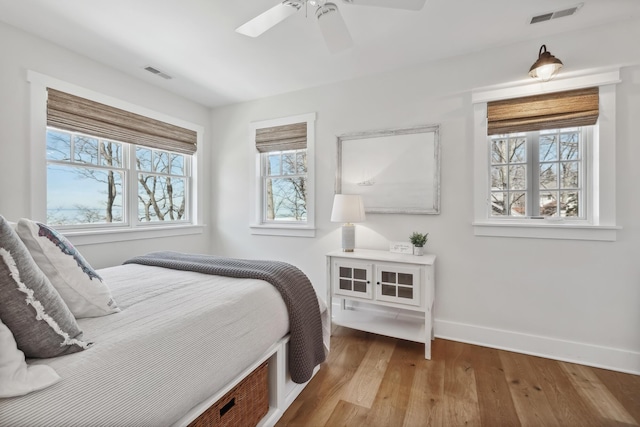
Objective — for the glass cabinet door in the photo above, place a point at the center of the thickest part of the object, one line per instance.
(352, 279)
(397, 283)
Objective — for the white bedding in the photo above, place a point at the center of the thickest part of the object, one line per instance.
(180, 337)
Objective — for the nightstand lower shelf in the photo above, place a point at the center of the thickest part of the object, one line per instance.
(397, 326)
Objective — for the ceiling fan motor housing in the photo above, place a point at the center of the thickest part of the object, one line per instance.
(326, 8)
(293, 3)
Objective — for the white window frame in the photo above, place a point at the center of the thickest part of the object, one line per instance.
(273, 228)
(600, 185)
(91, 235)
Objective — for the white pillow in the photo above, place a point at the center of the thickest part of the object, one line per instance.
(16, 377)
(81, 288)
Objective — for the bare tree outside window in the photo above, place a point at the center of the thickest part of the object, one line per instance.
(509, 176)
(161, 191)
(560, 160)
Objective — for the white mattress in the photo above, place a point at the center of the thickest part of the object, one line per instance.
(180, 337)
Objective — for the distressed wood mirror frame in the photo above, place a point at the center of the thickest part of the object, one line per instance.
(396, 171)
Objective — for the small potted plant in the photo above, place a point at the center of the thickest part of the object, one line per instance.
(418, 240)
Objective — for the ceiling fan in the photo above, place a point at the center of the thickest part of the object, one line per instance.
(332, 26)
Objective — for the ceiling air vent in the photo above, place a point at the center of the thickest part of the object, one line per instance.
(158, 73)
(555, 15)
(541, 18)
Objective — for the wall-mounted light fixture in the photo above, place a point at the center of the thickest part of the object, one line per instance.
(348, 208)
(546, 66)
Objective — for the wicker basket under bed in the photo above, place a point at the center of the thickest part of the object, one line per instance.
(244, 406)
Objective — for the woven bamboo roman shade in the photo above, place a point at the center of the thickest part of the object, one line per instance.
(280, 138)
(550, 111)
(70, 112)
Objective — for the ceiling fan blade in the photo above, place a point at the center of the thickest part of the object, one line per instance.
(333, 28)
(270, 18)
(394, 4)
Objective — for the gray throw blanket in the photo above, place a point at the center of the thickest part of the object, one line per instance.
(306, 349)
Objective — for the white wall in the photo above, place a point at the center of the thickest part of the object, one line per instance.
(20, 52)
(572, 300)
(566, 299)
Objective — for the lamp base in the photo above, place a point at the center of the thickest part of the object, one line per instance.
(348, 237)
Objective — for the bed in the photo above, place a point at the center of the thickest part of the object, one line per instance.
(181, 341)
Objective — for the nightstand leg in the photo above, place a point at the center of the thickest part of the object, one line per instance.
(428, 328)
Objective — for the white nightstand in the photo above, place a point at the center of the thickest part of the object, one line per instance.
(383, 279)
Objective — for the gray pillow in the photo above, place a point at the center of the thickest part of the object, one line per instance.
(30, 307)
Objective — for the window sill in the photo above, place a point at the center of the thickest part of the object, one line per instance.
(90, 237)
(282, 230)
(547, 230)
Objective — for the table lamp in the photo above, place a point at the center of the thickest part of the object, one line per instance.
(348, 208)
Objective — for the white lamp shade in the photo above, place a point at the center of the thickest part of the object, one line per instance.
(347, 208)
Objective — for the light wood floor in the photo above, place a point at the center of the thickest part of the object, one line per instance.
(370, 380)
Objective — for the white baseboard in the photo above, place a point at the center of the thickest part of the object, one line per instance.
(535, 345)
(568, 351)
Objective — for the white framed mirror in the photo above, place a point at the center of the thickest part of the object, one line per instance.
(394, 170)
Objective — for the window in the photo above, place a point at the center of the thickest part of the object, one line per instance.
(538, 174)
(85, 177)
(544, 159)
(283, 187)
(162, 185)
(97, 171)
(104, 170)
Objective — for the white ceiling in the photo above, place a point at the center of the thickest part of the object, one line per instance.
(194, 40)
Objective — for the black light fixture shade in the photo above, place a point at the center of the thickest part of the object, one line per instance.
(546, 67)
